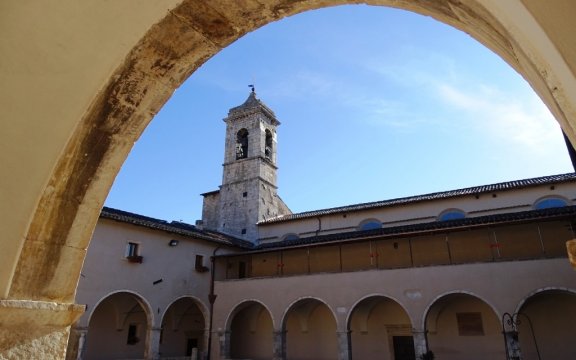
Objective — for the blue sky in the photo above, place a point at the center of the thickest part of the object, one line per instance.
(375, 103)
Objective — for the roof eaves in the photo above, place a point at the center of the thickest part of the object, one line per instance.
(429, 227)
(174, 227)
(509, 185)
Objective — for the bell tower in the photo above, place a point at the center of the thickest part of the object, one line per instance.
(248, 193)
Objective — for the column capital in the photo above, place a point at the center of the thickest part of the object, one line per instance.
(39, 313)
(37, 325)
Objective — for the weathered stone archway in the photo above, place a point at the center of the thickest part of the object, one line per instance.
(58, 174)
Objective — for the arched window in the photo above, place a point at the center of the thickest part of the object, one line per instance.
(370, 224)
(550, 202)
(451, 214)
(242, 144)
(268, 145)
(289, 237)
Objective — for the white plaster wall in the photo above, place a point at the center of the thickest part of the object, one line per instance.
(422, 211)
(106, 270)
(502, 285)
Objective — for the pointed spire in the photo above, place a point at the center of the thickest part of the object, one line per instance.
(251, 101)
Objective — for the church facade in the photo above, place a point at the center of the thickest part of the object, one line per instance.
(475, 273)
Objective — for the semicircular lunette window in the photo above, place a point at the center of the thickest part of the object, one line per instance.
(370, 224)
(290, 237)
(551, 202)
(452, 214)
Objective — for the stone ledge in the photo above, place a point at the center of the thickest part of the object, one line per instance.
(38, 313)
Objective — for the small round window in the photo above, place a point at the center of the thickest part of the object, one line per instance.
(452, 214)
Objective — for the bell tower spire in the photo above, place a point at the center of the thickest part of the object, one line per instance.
(248, 193)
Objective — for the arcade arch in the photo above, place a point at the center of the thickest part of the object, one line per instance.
(183, 328)
(310, 328)
(123, 312)
(553, 330)
(251, 332)
(380, 328)
(461, 325)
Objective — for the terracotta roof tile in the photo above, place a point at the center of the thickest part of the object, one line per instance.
(476, 190)
(174, 227)
(567, 212)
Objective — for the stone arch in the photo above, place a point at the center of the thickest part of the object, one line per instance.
(542, 290)
(203, 308)
(184, 327)
(119, 327)
(448, 293)
(546, 323)
(460, 324)
(251, 328)
(170, 51)
(47, 234)
(378, 325)
(311, 330)
(141, 300)
(376, 295)
(241, 306)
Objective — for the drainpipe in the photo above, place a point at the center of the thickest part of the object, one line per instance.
(211, 300)
(319, 225)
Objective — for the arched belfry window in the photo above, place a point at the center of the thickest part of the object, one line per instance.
(268, 145)
(242, 144)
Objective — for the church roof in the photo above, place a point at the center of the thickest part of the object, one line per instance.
(252, 103)
(566, 212)
(174, 227)
(476, 190)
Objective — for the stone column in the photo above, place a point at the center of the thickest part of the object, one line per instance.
(81, 342)
(279, 345)
(420, 342)
(344, 345)
(36, 327)
(224, 338)
(153, 343)
(512, 345)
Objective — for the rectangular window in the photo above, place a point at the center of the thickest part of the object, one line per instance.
(131, 249)
(470, 324)
(132, 334)
(199, 264)
(133, 253)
